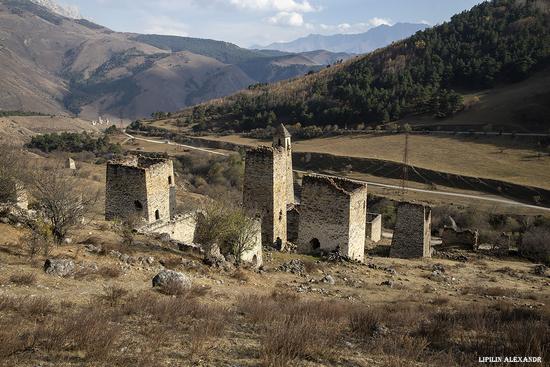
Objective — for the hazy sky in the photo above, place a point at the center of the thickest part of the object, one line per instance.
(248, 22)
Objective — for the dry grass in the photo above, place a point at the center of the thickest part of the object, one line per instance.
(477, 157)
(23, 279)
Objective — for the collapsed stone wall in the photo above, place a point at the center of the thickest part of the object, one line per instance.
(182, 228)
(374, 227)
(14, 193)
(264, 193)
(466, 238)
(254, 255)
(332, 216)
(140, 186)
(412, 234)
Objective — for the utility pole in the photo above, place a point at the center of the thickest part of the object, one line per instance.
(405, 173)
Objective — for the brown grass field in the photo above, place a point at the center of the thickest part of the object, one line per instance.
(500, 158)
(112, 317)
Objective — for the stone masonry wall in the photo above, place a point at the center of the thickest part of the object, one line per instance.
(181, 228)
(333, 213)
(125, 187)
(374, 227)
(264, 192)
(293, 222)
(466, 238)
(412, 234)
(140, 186)
(159, 182)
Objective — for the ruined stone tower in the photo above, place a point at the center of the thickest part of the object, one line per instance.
(332, 216)
(265, 192)
(282, 139)
(140, 186)
(412, 234)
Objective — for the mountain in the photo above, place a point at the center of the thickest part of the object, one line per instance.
(481, 53)
(53, 63)
(66, 11)
(361, 43)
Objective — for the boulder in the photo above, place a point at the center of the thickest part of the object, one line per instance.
(214, 257)
(329, 279)
(59, 267)
(170, 278)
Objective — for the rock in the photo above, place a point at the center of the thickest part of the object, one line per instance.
(59, 267)
(4, 220)
(164, 237)
(230, 258)
(68, 241)
(540, 270)
(93, 249)
(390, 270)
(214, 257)
(388, 283)
(124, 258)
(328, 279)
(438, 267)
(150, 260)
(380, 329)
(293, 266)
(169, 277)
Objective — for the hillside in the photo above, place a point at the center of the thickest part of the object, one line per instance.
(495, 44)
(360, 43)
(51, 63)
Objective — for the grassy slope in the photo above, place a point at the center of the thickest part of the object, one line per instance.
(499, 158)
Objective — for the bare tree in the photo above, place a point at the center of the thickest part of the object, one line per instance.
(244, 232)
(213, 224)
(227, 226)
(61, 200)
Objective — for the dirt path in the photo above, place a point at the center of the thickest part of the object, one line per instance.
(432, 192)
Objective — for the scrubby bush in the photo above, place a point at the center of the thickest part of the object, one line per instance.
(535, 244)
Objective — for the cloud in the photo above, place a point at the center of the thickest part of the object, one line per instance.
(355, 27)
(375, 22)
(284, 18)
(288, 6)
(166, 26)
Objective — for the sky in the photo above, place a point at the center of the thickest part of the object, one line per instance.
(261, 22)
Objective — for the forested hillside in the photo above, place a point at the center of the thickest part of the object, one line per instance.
(496, 42)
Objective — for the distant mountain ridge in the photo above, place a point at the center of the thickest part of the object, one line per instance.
(53, 63)
(360, 43)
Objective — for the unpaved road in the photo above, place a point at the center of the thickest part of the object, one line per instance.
(376, 184)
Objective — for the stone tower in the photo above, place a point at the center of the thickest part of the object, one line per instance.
(282, 139)
(140, 186)
(332, 216)
(412, 234)
(264, 193)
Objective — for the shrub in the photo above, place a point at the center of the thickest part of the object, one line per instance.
(23, 278)
(535, 245)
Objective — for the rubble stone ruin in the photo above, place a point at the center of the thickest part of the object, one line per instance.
(282, 140)
(412, 234)
(70, 164)
(467, 238)
(332, 216)
(14, 193)
(140, 186)
(374, 227)
(265, 192)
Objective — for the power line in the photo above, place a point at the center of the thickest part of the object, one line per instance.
(405, 173)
